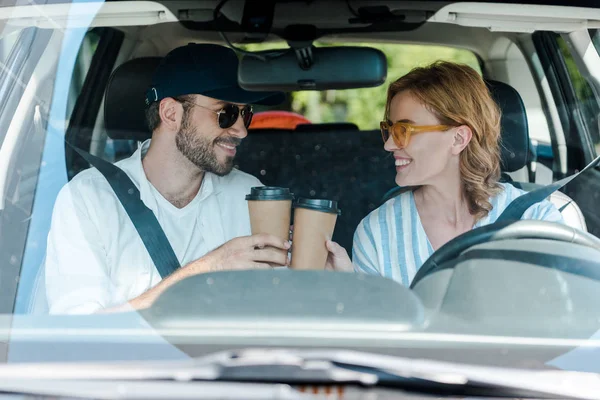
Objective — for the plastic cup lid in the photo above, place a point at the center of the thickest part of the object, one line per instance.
(269, 193)
(328, 206)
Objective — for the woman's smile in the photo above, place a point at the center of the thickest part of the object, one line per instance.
(402, 163)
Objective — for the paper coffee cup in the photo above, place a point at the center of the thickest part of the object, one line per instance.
(270, 211)
(314, 222)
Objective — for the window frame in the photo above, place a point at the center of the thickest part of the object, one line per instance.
(29, 47)
(19, 290)
(577, 135)
(19, 68)
(87, 105)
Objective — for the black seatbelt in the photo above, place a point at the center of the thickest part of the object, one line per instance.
(514, 211)
(142, 217)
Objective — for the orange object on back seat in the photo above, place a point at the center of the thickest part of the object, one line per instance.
(277, 120)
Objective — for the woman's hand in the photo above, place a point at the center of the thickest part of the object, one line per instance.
(338, 259)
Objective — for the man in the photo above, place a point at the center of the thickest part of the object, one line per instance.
(198, 115)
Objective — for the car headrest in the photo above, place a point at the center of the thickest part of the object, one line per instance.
(327, 127)
(513, 124)
(124, 104)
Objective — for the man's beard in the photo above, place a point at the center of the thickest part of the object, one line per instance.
(201, 151)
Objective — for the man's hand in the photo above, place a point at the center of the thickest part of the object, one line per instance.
(338, 259)
(248, 252)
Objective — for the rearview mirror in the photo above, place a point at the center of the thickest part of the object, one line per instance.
(332, 68)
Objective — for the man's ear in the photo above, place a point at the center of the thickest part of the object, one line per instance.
(171, 113)
(462, 137)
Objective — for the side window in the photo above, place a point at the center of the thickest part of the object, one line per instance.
(6, 45)
(595, 35)
(577, 105)
(94, 63)
(16, 68)
(82, 66)
(586, 101)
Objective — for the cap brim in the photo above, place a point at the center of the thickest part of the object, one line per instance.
(236, 94)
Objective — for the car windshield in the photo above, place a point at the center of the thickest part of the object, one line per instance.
(183, 177)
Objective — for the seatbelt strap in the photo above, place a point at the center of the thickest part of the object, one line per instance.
(144, 220)
(565, 206)
(515, 210)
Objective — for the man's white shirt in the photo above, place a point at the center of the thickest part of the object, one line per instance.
(96, 258)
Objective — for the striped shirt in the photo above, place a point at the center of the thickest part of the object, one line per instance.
(391, 240)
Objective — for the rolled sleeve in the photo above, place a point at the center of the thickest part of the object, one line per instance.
(363, 252)
(545, 211)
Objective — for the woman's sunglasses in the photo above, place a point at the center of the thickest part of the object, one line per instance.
(402, 131)
(228, 115)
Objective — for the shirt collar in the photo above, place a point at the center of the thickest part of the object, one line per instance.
(208, 186)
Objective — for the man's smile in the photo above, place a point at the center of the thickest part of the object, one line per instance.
(228, 148)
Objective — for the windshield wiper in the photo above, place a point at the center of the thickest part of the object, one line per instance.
(327, 367)
(427, 376)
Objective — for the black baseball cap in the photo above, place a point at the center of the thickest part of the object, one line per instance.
(207, 69)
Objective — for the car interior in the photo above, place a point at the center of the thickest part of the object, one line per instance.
(338, 160)
(313, 158)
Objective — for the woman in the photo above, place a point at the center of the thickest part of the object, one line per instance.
(443, 129)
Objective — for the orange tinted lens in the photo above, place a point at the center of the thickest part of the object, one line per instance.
(399, 134)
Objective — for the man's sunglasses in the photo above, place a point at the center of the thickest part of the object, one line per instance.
(402, 131)
(228, 115)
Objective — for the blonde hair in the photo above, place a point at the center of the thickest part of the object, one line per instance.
(457, 95)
